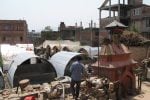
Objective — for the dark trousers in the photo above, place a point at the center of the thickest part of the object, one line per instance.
(75, 89)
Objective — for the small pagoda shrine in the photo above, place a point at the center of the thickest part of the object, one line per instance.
(115, 61)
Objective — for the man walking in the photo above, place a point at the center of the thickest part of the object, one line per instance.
(76, 70)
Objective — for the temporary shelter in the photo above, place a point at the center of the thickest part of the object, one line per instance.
(61, 42)
(29, 66)
(63, 60)
(28, 47)
(9, 51)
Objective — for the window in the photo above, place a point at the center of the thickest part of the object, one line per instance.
(148, 22)
(21, 38)
(4, 39)
(17, 28)
(96, 33)
(7, 27)
(136, 12)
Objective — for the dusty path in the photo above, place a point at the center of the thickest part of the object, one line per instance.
(145, 93)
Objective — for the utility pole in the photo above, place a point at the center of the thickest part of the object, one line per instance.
(75, 36)
(99, 42)
(80, 31)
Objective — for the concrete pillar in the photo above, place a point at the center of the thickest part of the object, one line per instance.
(118, 10)
(118, 1)
(114, 14)
(123, 1)
(94, 25)
(76, 25)
(100, 11)
(109, 8)
(81, 24)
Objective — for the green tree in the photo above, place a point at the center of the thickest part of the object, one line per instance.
(48, 28)
(134, 28)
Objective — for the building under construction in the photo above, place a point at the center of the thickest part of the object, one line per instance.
(13, 31)
(132, 13)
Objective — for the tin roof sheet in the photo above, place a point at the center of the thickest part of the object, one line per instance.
(60, 61)
(18, 60)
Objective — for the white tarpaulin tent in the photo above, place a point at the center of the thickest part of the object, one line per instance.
(10, 51)
(62, 60)
(60, 44)
(30, 66)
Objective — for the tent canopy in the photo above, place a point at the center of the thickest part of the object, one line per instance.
(30, 66)
(63, 60)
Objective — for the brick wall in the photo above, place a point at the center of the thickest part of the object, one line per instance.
(13, 31)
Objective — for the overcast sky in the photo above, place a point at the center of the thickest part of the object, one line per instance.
(41, 13)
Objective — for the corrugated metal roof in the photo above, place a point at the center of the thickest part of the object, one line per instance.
(60, 43)
(18, 60)
(10, 51)
(60, 61)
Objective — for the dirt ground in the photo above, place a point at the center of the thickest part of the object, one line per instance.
(145, 93)
(139, 53)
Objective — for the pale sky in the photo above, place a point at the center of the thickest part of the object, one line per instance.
(41, 13)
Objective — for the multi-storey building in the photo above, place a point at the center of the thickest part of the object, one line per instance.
(132, 13)
(69, 32)
(33, 36)
(89, 36)
(13, 31)
(86, 36)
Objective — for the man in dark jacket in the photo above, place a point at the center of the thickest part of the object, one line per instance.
(76, 70)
